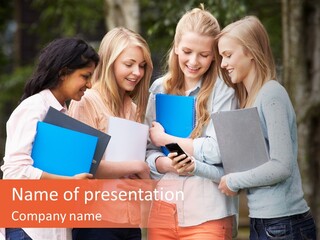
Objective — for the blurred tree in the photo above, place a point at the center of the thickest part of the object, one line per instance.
(301, 77)
(69, 18)
(124, 13)
(25, 41)
(6, 26)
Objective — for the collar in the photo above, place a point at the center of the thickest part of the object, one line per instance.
(194, 91)
(52, 101)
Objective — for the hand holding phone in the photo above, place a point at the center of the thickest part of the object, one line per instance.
(174, 147)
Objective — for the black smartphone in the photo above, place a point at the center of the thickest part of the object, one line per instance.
(174, 147)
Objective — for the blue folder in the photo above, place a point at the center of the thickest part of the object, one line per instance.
(176, 114)
(62, 151)
(63, 120)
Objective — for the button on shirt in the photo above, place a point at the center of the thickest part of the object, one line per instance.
(202, 201)
(18, 164)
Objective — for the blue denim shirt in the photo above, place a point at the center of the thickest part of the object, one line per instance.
(205, 202)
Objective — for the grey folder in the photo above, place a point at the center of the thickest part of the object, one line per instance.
(63, 120)
(240, 139)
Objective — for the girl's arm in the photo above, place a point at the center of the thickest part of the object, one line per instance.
(21, 131)
(159, 138)
(191, 166)
(281, 150)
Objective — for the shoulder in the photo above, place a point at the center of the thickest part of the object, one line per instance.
(273, 88)
(91, 97)
(34, 103)
(157, 86)
(272, 91)
(89, 106)
(220, 85)
(221, 90)
(33, 107)
(273, 100)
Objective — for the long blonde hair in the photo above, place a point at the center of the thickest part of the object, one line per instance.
(200, 21)
(253, 37)
(103, 79)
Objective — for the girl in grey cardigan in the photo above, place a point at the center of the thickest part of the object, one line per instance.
(277, 208)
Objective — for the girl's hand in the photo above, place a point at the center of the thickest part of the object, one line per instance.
(143, 170)
(182, 163)
(163, 165)
(223, 187)
(157, 134)
(83, 176)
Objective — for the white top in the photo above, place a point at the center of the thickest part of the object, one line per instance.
(21, 130)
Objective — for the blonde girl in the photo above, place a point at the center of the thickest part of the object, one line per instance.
(277, 209)
(120, 89)
(204, 213)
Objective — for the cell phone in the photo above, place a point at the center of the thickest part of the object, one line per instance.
(174, 147)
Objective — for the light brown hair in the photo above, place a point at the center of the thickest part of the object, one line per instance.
(253, 37)
(200, 21)
(112, 45)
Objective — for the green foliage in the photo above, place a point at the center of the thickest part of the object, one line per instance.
(11, 86)
(269, 12)
(5, 14)
(67, 17)
(159, 19)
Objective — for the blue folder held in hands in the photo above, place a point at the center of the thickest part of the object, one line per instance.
(62, 151)
(176, 114)
(63, 120)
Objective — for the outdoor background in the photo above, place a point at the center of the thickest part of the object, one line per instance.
(293, 25)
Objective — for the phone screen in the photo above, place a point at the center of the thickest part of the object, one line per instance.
(174, 147)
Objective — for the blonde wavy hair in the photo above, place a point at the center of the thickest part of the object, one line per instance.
(103, 79)
(200, 21)
(253, 37)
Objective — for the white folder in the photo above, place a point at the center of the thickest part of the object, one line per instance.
(128, 140)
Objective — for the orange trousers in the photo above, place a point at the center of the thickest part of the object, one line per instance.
(163, 225)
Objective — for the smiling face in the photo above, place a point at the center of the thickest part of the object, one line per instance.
(74, 85)
(129, 68)
(236, 62)
(195, 55)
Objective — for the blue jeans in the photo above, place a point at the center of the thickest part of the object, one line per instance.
(296, 227)
(16, 234)
(106, 234)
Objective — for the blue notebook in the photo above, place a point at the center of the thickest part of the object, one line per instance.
(63, 120)
(62, 151)
(176, 114)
